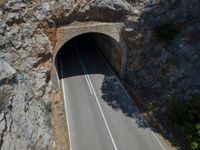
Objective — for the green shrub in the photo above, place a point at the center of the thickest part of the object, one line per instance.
(165, 32)
(186, 119)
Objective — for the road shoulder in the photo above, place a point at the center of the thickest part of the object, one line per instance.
(60, 124)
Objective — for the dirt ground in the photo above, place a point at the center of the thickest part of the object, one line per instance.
(60, 124)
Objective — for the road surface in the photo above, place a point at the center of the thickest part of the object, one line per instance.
(100, 114)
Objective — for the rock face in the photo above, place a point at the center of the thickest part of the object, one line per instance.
(98, 10)
(164, 51)
(6, 71)
(164, 55)
(163, 59)
(25, 63)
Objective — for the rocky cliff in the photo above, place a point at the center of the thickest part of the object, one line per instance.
(163, 58)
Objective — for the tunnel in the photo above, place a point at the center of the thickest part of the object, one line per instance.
(97, 106)
(93, 60)
(106, 46)
(96, 103)
(98, 57)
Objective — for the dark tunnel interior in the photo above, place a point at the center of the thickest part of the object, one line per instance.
(103, 44)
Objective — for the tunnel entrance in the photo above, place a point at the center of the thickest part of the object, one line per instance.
(87, 43)
(89, 63)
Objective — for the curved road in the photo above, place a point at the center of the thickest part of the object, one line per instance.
(100, 114)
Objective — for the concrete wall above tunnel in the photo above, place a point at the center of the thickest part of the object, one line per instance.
(112, 30)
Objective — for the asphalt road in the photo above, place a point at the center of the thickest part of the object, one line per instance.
(100, 114)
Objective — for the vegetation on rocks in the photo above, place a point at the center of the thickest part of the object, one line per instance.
(165, 32)
(2, 2)
(186, 119)
(48, 106)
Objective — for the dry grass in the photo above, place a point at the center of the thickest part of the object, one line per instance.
(60, 125)
(2, 2)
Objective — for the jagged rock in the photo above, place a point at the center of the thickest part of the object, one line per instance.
(97, 10)
(39, 14)
(27, 30)
(9, 5)
(14, 36)
(12, 17)
(21, 129)
(46, 7)
(2, 27)
(25, 123)
(40, 83)
(42, 39)
(2, 41)
(6, 71)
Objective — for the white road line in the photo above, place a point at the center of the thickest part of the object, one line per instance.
(88, 83)
(86, 76)
(96, 98)
(155, 136)
(65, 101)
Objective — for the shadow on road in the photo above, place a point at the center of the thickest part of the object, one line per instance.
(112, 95)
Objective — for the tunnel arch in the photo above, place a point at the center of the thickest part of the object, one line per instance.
(104, 31)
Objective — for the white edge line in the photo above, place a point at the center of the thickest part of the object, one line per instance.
(155, 136)
(96, 98)
(158, 140)
(65, 99)
(114, 144)
(68, 124)
(86, 75)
